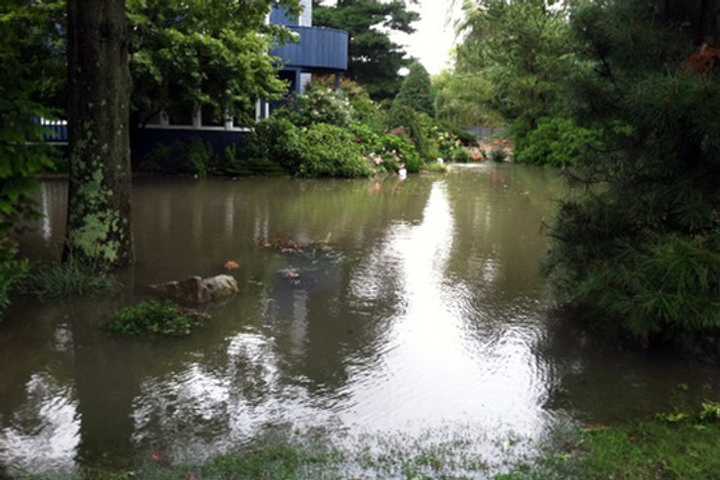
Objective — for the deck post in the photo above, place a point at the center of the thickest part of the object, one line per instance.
(197, 117)
(298, 82)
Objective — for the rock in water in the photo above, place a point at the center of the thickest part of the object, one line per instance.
(198, 290)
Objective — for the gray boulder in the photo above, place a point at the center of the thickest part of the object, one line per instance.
(198, 290)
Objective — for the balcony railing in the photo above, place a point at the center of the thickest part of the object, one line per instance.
(319, 49)
(54, 131)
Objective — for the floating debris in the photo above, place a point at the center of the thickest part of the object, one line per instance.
(288, 246)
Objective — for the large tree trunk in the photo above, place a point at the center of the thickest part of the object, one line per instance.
(98, 224)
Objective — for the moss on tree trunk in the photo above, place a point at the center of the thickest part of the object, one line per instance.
(100, 178)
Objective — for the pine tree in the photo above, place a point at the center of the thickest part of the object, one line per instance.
(638, 244)
(375, 59)
(416, 91)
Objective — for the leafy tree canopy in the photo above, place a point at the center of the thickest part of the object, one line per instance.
(522, 49)
(461, 100)
(210, 52)
(201, 52)
(26, 59)
(375, 59)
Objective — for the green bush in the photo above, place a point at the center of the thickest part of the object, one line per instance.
(188, 158)
(331, 151)
(365, 110)
(557, 142)
(277, 140)
(370, 141)
(58, 281)
(237, 162)
(232, 160)
(460, 155)
(498, 156)
(435, 168)
(199, 156)
(401, 116)
(156, 318)
(388, 152)
(401, 151)
(650, 285)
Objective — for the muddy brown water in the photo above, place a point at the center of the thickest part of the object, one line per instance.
(423, 318)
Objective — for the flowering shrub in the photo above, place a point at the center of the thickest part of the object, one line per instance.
(400, 151)
(387, 152)
(365, 111)
(319, 104)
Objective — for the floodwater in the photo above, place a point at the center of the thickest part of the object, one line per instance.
(422, 319)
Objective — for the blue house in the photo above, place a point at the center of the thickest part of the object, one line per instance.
(318, 51)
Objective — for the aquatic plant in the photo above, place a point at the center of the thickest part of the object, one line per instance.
(435, 168)
(156, 318)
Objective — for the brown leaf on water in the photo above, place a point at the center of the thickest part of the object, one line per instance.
(232, 265)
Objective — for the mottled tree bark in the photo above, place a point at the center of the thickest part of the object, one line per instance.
(98, 224)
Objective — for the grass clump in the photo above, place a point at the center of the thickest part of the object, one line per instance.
(71, 278)
(12, 273)
(156, 318)
(283, 461)
(671, 446)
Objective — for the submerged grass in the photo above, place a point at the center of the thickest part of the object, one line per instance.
(435, 168)
(72, 278)
(668, 447)
(271, 462)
